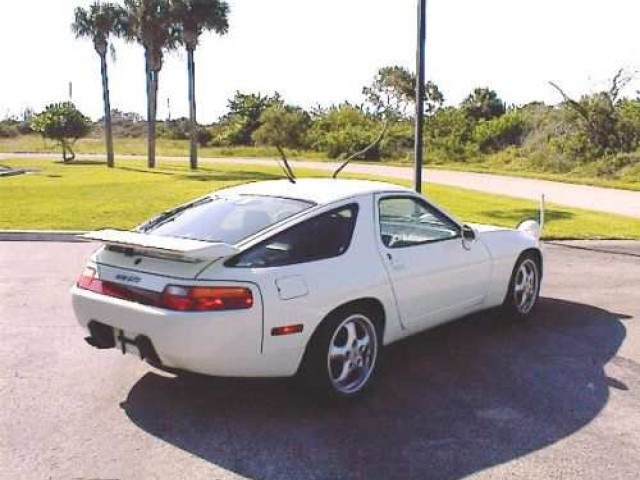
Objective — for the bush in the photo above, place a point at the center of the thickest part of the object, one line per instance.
(345, 130)
(204, 136)
(613, 166)
(499, 133)
(180, 129)
(175, 129)
(64, 123)
(483, 104)
(628, 124)
(448, 134)
(398, 142)
(8, 130)
(130, 129)
(24, 128)
(243, 119)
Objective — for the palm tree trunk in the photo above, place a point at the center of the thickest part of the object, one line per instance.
(153, 104)
(108, 133)
(193, 147)
(152, 97)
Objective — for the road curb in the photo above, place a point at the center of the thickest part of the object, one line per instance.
(66, 236)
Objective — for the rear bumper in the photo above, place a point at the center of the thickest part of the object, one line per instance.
(211, 343)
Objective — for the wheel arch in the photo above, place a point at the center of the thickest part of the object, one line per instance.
(537, 254)
(371, 305)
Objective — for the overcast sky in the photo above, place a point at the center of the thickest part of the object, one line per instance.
(325, 51)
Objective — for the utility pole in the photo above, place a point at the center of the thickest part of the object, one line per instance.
(420, 69)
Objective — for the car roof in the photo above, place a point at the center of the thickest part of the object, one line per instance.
(321, 191)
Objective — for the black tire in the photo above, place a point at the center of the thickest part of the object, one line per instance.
(516, 305)
(318, 373)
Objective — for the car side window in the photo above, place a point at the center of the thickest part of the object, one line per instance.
(325, 236)
(406, 221)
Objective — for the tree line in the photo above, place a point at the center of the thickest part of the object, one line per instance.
(599, 130)
(598, 133)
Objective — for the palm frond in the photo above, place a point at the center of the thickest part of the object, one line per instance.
(98, 22)
(197, 16)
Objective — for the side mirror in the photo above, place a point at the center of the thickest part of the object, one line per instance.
(468, 236)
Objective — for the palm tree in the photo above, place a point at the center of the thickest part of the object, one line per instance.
(149, 22)
(193, 17)
(99, 22)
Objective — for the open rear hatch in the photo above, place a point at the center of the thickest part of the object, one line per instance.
(155, 254)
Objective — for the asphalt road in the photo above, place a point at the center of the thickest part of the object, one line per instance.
(610, 200)
(555, 398)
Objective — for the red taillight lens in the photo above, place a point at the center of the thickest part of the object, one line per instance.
(89, 281)
(206, 298)
(174, 297)
(87, 278)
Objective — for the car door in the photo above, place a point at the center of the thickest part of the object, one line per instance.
(435, 275)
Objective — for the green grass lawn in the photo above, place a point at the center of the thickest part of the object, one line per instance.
(138, 146)
(87, 195)
(180, 148)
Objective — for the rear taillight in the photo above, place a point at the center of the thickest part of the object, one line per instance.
(174, 297)
(206, 298)
(87, 278)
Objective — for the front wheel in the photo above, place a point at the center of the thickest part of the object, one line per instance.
(343, 355)
(524, 288)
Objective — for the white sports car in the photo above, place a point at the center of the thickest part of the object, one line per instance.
(276, 279)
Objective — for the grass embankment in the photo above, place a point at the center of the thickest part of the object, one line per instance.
(87, 195)
(495, 164)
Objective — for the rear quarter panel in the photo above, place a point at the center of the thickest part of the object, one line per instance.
(319, 287)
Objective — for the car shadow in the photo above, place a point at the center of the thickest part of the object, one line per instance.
(452, 401)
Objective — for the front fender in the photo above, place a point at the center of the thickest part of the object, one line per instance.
(505, 247)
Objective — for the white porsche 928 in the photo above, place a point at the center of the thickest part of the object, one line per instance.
(274, 279)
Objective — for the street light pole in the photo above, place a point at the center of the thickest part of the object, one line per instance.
(420, 69)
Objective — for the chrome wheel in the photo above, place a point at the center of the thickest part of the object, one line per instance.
(353, 350)
(526, 286)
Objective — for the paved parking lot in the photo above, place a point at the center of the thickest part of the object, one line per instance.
(554, 398)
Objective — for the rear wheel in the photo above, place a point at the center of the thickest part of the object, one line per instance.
(343, 355)
(524, 288)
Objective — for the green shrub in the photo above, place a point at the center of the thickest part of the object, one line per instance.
(243, 118)
(613, 166)
(8, 130)
(398, 142)
(24, 128)
(449, 132)
(499, 133)
(177, 129)
(282, 127)
(204, 136)
(344, 130)
(483, 104)
(64, 123)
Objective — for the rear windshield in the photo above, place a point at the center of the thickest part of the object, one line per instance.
(224, 219)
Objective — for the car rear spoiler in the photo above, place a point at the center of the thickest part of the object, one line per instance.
(165, 247)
